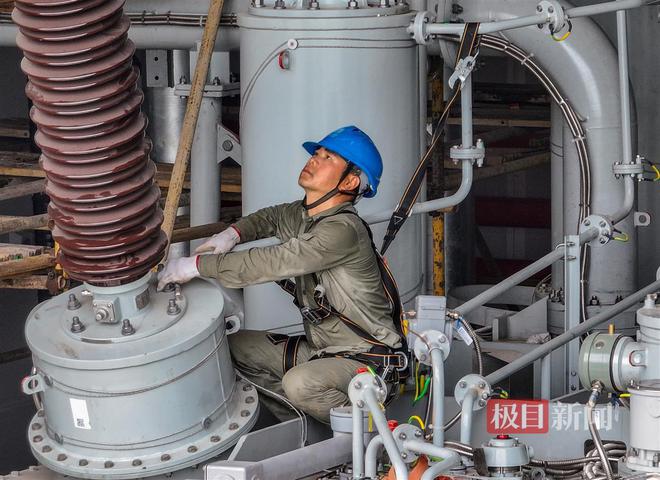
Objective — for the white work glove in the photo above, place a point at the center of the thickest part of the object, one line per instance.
(178, 270)
(220, 242)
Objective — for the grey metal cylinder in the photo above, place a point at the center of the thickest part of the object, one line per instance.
(557, 188)
(205, 168)
(644, 427)
(147, 390)
(305, 73)
(585, 70)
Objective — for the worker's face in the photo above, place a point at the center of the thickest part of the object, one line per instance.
(322, 172)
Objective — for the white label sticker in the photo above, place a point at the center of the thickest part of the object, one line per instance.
(465, 336)
(80, 414)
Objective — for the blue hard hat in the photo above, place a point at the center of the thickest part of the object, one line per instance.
(354, 146)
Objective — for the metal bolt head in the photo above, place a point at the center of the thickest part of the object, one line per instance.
(233, 426)
(418, 433)
(313, 5)
(279, 5)
(462, 384)
(109, 464)
(402, 436)
(83, 462)
(227, 146)
(539, 8)
(137, 462)
(422, 357)
(404, 455)
(442, 339)
(602, 224)
(357, 385)
(76, 325)
(126, 327)
(165, 457)
(359, 404)
(172, 307)
(551, 9)
(587, 222)
(482, 403)
(482, 385)
(484, 396)
(602, 240)
(73, 303)
(352, 4)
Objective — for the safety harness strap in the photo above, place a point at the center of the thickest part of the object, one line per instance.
(468, 47)
(290, 355)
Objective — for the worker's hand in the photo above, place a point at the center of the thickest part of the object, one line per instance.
(178, 270)
(220, 242)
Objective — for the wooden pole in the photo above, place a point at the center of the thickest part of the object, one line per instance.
(23, 266)
(191, 115)
(22, 189)
(29, 282)
(16, 224)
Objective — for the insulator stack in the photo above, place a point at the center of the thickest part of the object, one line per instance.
(91, 131)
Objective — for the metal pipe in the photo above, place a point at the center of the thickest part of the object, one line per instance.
(557, 187)
(529, 20)
(358, 442)
(600, 8)
(546, 377)
(449, 457)
(371, 457)
(626, 130)
(571, 334)
(204, 168)
(496, 290)
(432, 205)
(380, 421)
(466, 112)
(438, 369)
(156, 37)
(467, 414)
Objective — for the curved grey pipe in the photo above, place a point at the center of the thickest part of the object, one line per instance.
(371, 457)
(438, 369)
(449, 457)
(586, 69)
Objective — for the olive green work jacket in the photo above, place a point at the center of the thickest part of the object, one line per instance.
(333, 247)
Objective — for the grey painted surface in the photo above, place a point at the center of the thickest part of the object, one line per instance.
(340, 78)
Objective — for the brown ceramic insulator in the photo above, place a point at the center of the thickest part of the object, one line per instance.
(100, 179)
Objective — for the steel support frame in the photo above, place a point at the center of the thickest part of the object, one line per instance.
(572, 304)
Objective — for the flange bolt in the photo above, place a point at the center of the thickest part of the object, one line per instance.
(76, 325)
(126, 327)
(172, 307)
(73, 303)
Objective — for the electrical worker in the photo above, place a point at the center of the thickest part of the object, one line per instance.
(328, 250)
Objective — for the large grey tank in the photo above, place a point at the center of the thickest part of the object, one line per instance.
(130, 382)
(306, 71)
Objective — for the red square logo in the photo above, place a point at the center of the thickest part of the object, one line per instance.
(517, 416)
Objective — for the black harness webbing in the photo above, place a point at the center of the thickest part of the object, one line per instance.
(467, 47)
(290, 357)
(380, 354)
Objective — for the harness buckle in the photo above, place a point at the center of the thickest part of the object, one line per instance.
(400, 366)
(314, 315)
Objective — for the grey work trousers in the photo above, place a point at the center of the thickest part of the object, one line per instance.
(314, 386)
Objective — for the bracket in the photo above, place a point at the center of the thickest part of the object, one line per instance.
(604, 226)
(229, 146)
(473, 382)
(212, 91)
(463, 69)
(641, 219)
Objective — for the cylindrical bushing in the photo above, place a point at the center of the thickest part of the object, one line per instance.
(91, 131)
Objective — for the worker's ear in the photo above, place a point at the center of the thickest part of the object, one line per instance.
(350, 183)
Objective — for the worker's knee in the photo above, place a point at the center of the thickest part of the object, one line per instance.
(297, 387)
(244, 346)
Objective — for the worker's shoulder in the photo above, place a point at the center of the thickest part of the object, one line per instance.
(347, 221)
